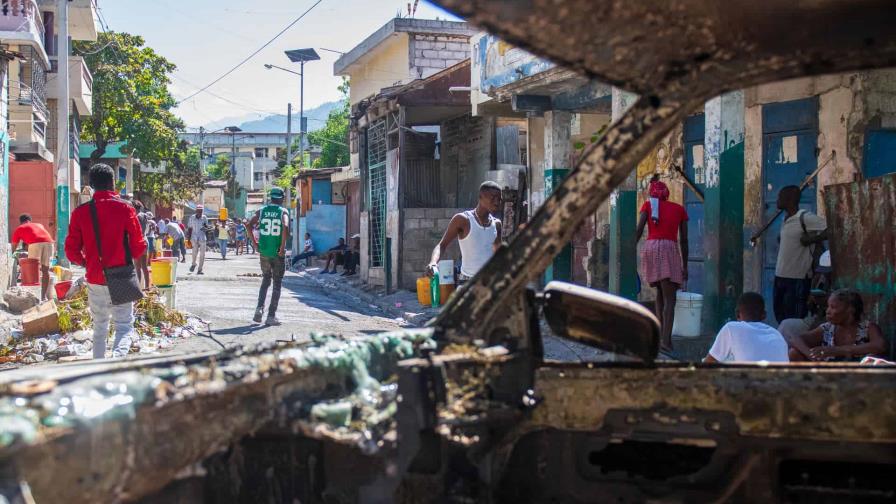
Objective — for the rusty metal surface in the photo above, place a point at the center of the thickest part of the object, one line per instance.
(694, 46)
(772, 402)
(122, 433)
(863, 244)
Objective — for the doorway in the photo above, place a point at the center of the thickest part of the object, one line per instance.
(789, 155)
(694, 131)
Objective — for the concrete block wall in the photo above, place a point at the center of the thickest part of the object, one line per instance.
(430, 54)
(423, 228)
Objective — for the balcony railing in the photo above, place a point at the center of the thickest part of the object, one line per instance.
(21, 16)
(23, 94)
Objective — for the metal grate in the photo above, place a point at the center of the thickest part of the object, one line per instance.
(376, 160)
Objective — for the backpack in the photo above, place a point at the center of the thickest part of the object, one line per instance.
(817, 248)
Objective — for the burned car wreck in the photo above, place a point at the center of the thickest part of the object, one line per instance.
(468, 409)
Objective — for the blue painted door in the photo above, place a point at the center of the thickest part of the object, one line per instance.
(694, 131)
(789, 140)
(879, 156)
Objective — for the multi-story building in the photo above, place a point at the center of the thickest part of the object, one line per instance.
(29, 33)
(256, 154)
(255, 159)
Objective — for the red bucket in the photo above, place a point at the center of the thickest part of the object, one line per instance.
(62, 288)
(29, 271)
(166, 253)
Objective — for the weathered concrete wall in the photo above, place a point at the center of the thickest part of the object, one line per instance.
(536, 163)
(496, 63)
(423, 228)
(849, 104)
(5, 247)
(429, 54)
(365, 247)
(386, 66)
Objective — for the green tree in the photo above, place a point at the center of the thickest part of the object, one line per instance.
(182, 178)
(220, 169)
(132, 103)
(333, 137)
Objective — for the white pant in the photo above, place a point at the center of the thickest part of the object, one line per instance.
(102, 310)
(199, 248)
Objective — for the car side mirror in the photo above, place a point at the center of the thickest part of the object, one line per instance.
(601, 320)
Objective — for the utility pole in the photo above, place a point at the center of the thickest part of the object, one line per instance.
(293, 220)
(63, 200)
(288, 133)
(302, 114)
(201, 156)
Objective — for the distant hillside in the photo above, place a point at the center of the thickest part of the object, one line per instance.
(317, 116)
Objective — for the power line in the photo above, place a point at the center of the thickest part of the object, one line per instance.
(247, 58)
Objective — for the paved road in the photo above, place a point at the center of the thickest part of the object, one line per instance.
(227, 294)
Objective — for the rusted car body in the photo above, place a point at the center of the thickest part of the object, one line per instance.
(483, 417)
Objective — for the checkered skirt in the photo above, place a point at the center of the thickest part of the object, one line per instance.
(660, 260)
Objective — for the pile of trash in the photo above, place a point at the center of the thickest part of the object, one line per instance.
(156, 328)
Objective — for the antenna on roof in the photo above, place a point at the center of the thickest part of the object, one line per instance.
(414, 10)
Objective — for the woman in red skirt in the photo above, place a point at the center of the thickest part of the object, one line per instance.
(664, 255)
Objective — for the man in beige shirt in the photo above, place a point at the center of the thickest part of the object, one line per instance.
(800, 233)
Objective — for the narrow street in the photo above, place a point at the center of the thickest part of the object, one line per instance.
(225, 297)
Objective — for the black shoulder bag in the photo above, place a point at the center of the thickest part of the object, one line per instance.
(121, 280)
(817, 249)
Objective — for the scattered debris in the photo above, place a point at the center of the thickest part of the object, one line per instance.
(41, 319)
(19, 299)
(63, 331)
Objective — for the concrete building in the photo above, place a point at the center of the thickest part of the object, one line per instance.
(256, 153)
(41, 181)
(739, 150)
(401, 51)
(419, 154)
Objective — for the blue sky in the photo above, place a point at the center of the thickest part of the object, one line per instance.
(205, 38)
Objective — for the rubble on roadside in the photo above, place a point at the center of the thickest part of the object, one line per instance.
(19, 299)
(157, 327)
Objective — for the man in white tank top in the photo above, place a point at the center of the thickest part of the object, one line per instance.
(477, 232)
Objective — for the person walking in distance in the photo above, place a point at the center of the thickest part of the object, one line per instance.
(665, 254)
(273, 235)
(116, 239)
(478, 233)
(40, 246)
(240, 233)
(142, 261)
(183, 234)
(196, 233)
(222, 235)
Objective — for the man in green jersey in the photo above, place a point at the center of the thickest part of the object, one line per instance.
(273, 235)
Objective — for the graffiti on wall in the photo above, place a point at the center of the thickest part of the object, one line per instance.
(501, 64)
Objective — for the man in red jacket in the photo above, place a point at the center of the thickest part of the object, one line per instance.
(118, 228)
(40, 246)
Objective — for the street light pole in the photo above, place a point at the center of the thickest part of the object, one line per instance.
(302, 113)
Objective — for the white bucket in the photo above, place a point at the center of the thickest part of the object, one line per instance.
(688, 315)
(446, 271)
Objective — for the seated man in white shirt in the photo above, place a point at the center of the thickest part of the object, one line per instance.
(748, 339)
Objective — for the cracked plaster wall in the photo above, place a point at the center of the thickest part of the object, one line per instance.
(848, 105)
